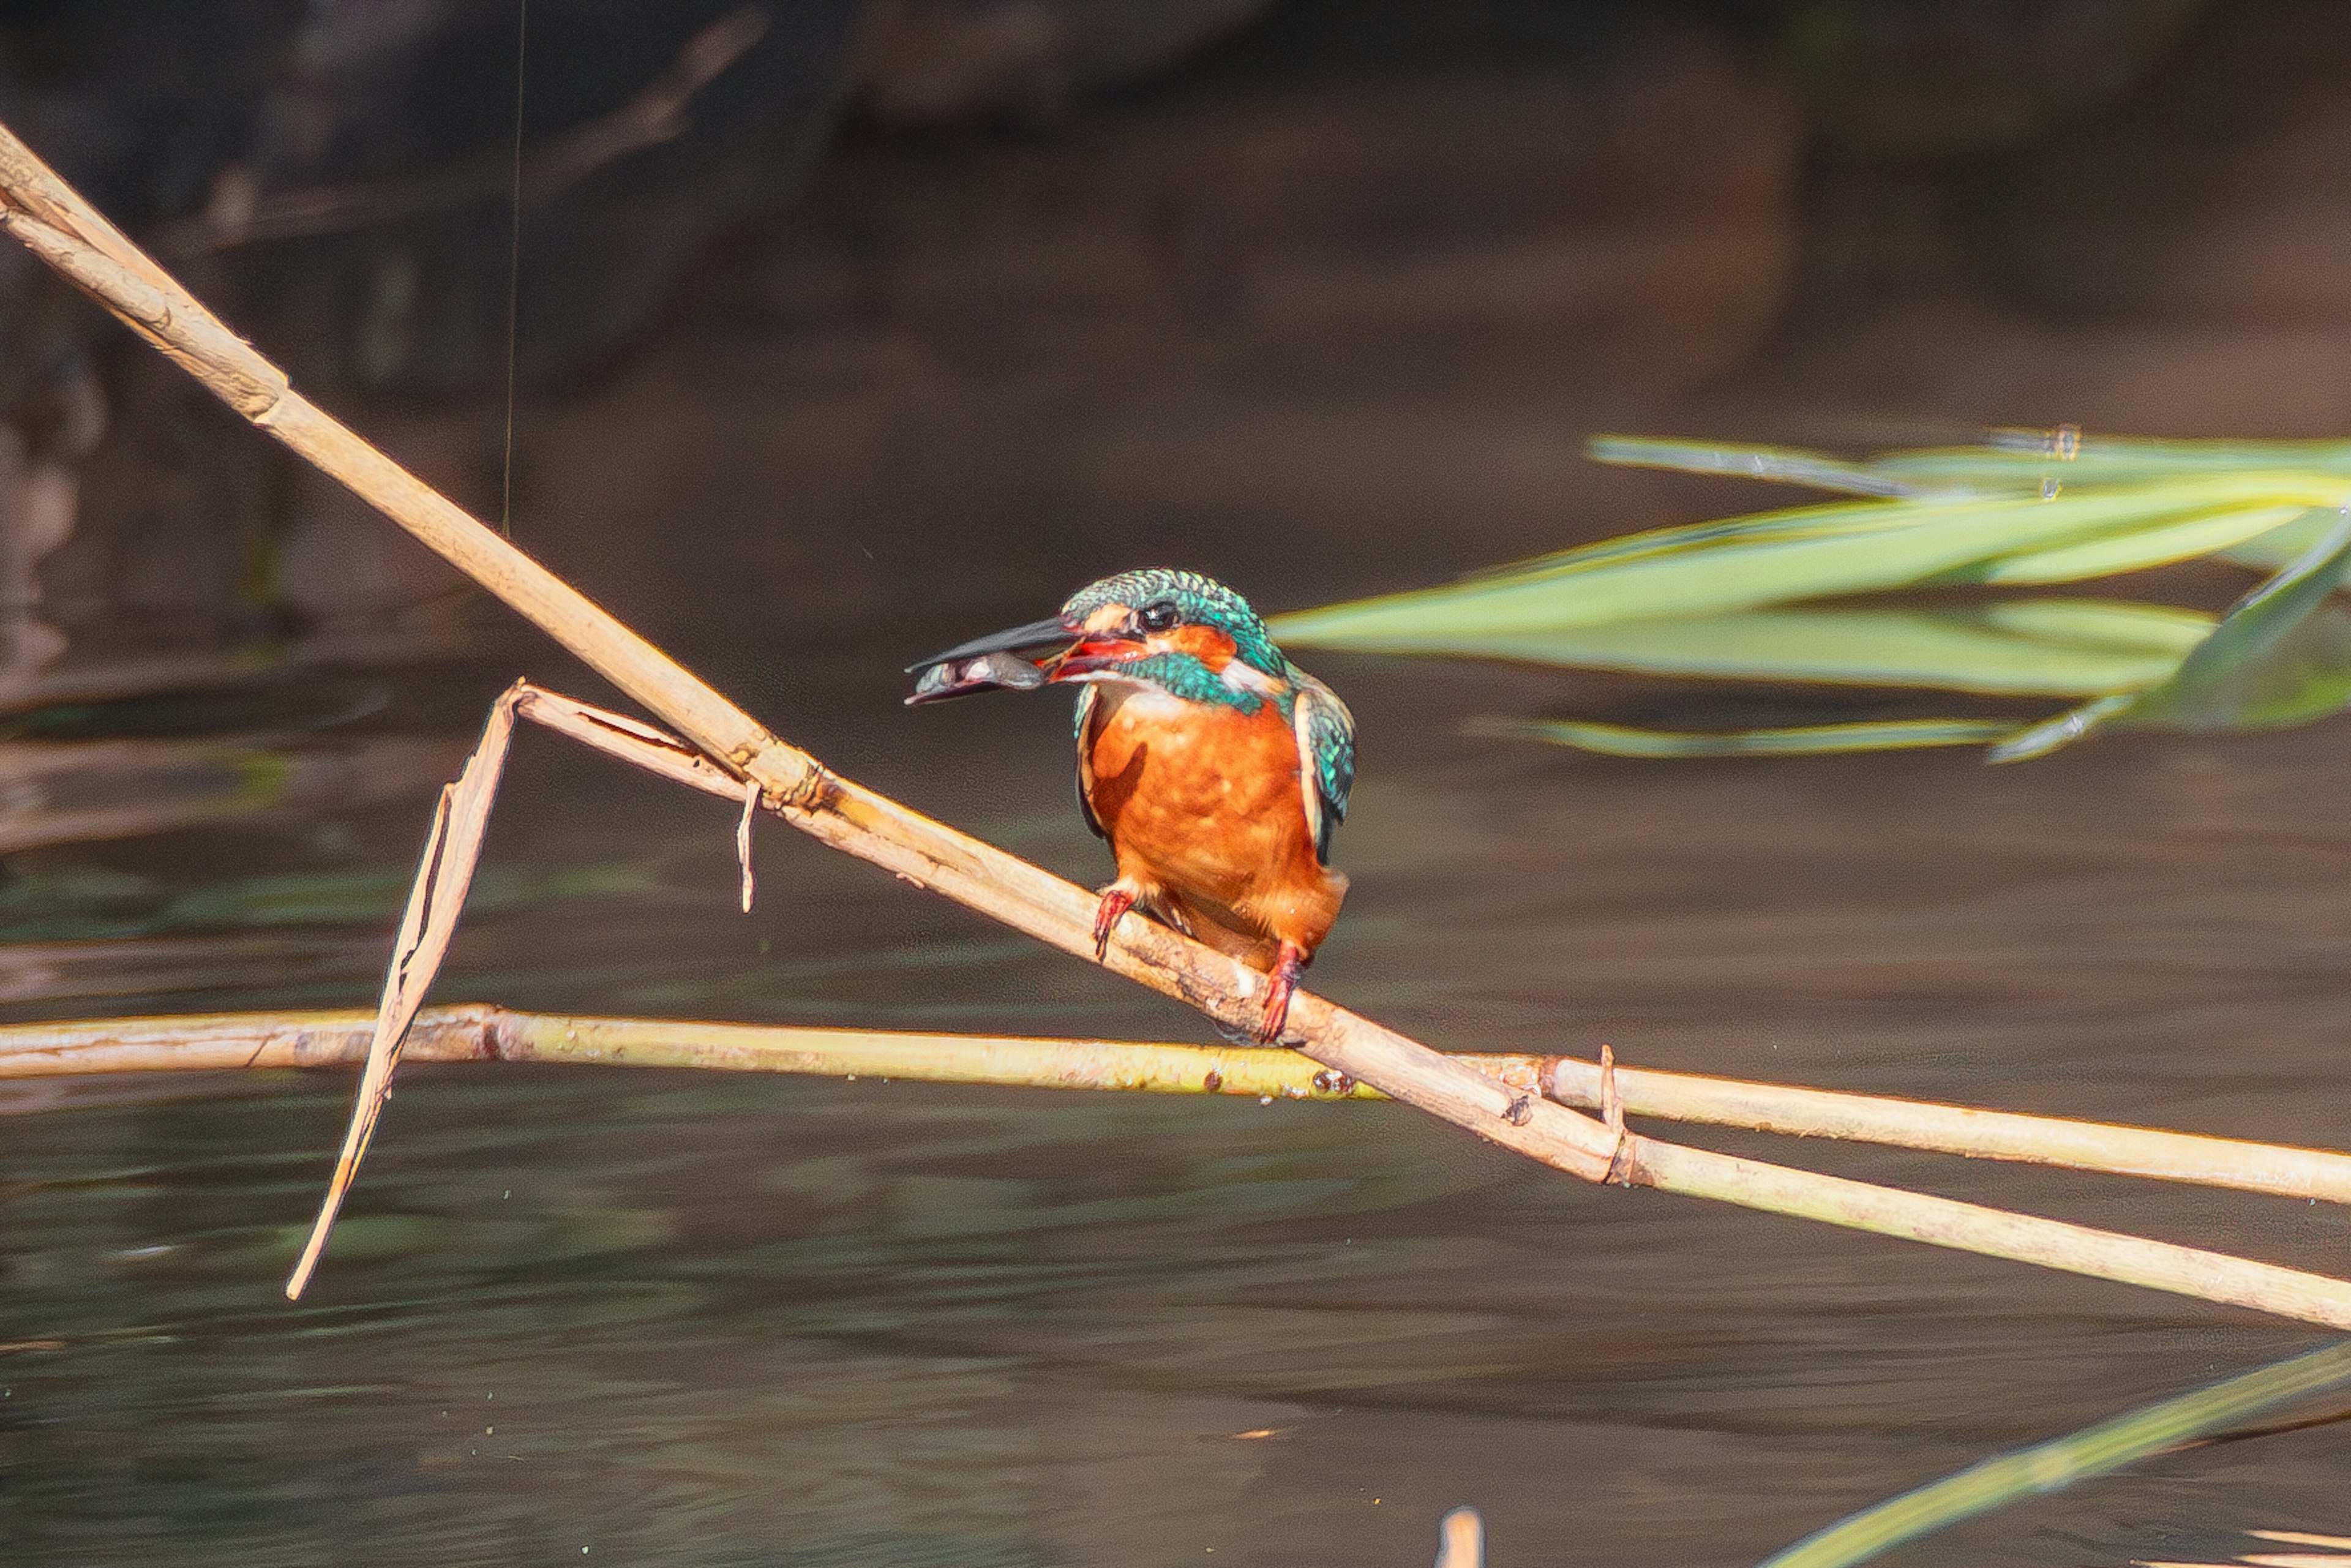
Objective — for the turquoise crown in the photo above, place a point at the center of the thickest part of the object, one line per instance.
(1197, 600)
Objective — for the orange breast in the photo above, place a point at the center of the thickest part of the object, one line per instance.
(1205, 801)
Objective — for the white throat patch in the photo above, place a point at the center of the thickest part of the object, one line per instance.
(1245, 678)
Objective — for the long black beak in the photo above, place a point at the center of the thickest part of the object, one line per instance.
(1041, 636)
(1005, 659)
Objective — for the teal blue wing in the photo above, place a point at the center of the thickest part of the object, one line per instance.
(1326, 756)
(1087, 703)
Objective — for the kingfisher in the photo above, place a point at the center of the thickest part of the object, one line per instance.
(1216, 769)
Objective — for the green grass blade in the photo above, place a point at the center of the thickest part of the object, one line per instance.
(2018, 461)
(2185, 539)
(2054, 1465)
(1788, 526)
(2007, 462)
(2279, 657)
(2012, 463)
(2022, 524)
(1809, 740)
(2285, 545)
(1807, 553)
(2064, 730)
(1814, 470)
(2275, 659)
(2062, 648)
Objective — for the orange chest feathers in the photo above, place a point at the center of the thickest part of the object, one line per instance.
(1205, 797)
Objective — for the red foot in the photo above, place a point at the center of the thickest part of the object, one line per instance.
(1287, 968)
(1115, 902)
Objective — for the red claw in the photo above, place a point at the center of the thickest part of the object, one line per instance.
(1287, 968)
(1115, 903)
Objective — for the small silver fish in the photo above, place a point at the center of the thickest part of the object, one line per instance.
(980, 673)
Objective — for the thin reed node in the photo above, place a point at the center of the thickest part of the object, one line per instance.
(714, 743)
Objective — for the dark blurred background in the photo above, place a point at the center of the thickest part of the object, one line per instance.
(846, 318)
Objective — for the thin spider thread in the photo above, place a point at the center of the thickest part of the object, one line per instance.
(514, 272)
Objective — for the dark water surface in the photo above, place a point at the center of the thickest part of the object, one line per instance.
(684, 1319)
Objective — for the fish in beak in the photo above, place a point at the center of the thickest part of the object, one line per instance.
(1003, 659)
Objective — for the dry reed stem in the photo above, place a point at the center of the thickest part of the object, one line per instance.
(57, 226)
(2116, 1149)
(481, 1033)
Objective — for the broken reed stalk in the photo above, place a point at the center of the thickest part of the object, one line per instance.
(451, 850)
(481, 1032)
(53, 221)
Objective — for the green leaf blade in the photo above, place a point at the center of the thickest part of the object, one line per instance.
(2277, 658)
(1807, 740)
(2068, 648)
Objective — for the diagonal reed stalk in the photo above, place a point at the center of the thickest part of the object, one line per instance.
(54, 222)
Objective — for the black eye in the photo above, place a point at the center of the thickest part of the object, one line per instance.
(1158, 617)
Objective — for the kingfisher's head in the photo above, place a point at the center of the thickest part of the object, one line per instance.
(1160, 614)
(1186, 634)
